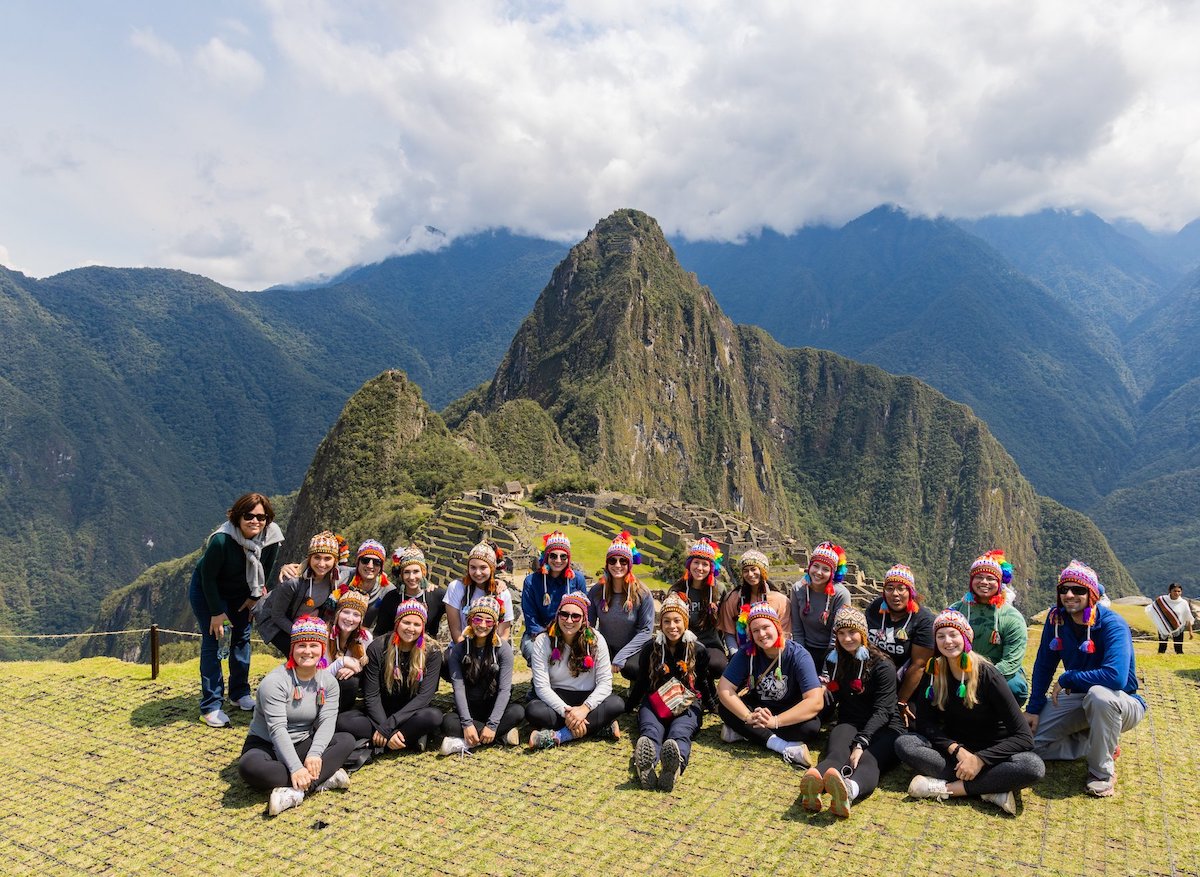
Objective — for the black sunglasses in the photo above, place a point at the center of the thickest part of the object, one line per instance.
(251, 516)
(1074, 590)
(570, 616)
(370, 561)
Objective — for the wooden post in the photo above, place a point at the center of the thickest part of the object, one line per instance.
(153, 651)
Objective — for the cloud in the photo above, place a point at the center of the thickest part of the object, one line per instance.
(145, 39)
(224, 240)
(230, 67)
(6, 259)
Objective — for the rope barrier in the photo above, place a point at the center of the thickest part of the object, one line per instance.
(95, 633)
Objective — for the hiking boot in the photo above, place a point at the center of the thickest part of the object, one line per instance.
(454, 746)
(812, 784)
(928, 787)
(839, 794)
(246, 703)
(1006, 801)
(796, 755)
(644, 760)
(728, 735)
(1098, 787)
(283, 798)
(216, 719)
(339, 780)
(542, 740)
(513, 737)
(672, 765)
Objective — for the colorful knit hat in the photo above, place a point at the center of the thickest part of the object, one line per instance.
(413, 607)
(755, 558)
(955, 619)
(578, 599)
(483, 552)
(624, 546)
(1077, 573)
(343, 554)
(555, 541)
(849, 618)
(309, 629)
(674, 603)
(764, 610)
(352, 599)
(402, 557)
(902, 575)
(323, 543)
(832, 556)
(705, 549)
(485, 605)
(371, 548)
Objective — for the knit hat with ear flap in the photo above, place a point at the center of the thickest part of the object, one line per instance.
(764, 610)
(1076, 573)
(830, 555)
(902, 575)
(555, 541)
(993, 562)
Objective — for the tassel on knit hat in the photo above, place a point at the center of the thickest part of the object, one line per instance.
(951, 618)
(1077, 573)
(830, 555)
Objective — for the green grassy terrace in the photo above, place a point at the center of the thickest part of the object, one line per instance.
(110, 772)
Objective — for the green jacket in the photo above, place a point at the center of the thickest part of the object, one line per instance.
(1009, 654)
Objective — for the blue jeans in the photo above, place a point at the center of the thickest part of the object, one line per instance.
(212, 680)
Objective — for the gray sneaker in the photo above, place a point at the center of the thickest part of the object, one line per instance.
(1101, 788)
(339, 780)
(283, 798)
(797, 755)
(644, 760)
(928, 787)
(1006, 801)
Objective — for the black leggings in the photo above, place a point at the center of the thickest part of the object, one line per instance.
(424, 721)
(541, 715)
(1162, 643)
(804, 732)
(514, 714)
(348, 692)
(1019, 771)
(261, 769)
(877, 759)
(717, 661)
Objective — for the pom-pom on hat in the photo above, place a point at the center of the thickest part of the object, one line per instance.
(402, 557)
(624, 546)
(323, 543)
(849, 618)
(764, 610)
(352, 599)
(555, 541)
(371, 548)
(954, 618)
(755, 558)
(901, 574)
(676, 604)
(483, 552)
(832, 556)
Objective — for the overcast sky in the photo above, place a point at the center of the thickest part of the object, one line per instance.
(259, 143)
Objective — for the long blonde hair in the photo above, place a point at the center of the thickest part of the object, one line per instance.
(940, 677)
(416, 662)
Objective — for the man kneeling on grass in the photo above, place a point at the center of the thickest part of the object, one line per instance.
(1094, 700)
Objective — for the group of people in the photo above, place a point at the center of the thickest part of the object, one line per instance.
(895, 683)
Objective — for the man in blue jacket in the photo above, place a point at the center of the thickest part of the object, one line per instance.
(1095, 698)
(545, 586)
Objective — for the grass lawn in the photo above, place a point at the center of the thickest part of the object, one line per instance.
(588, 548)
(111, 772)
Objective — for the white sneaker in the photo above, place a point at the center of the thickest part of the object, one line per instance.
(728, 735)
(454, 746)
(513, 737)
(246, 703)
(797, 755)
(928, 787)
(283, 798)
(1006, 801)
(216, 719)
(340, 780)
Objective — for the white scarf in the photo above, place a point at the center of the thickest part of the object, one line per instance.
(256, 577)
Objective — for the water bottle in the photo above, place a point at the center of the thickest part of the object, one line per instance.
(223, 642)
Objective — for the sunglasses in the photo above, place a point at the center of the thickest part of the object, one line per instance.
(556, 555)
(251, 516)
(370, 561)
(570, 616)
(481, 620)
(619, 561)
(1073, 590)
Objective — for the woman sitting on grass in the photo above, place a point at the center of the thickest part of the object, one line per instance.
(971, 737)
(398, 686)
(481, 675)
(292, 747)
(668, 694)
(621, 607)
(699, 587)
(862, 743)
(348, 641)
(572, 679)
(783, 697)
